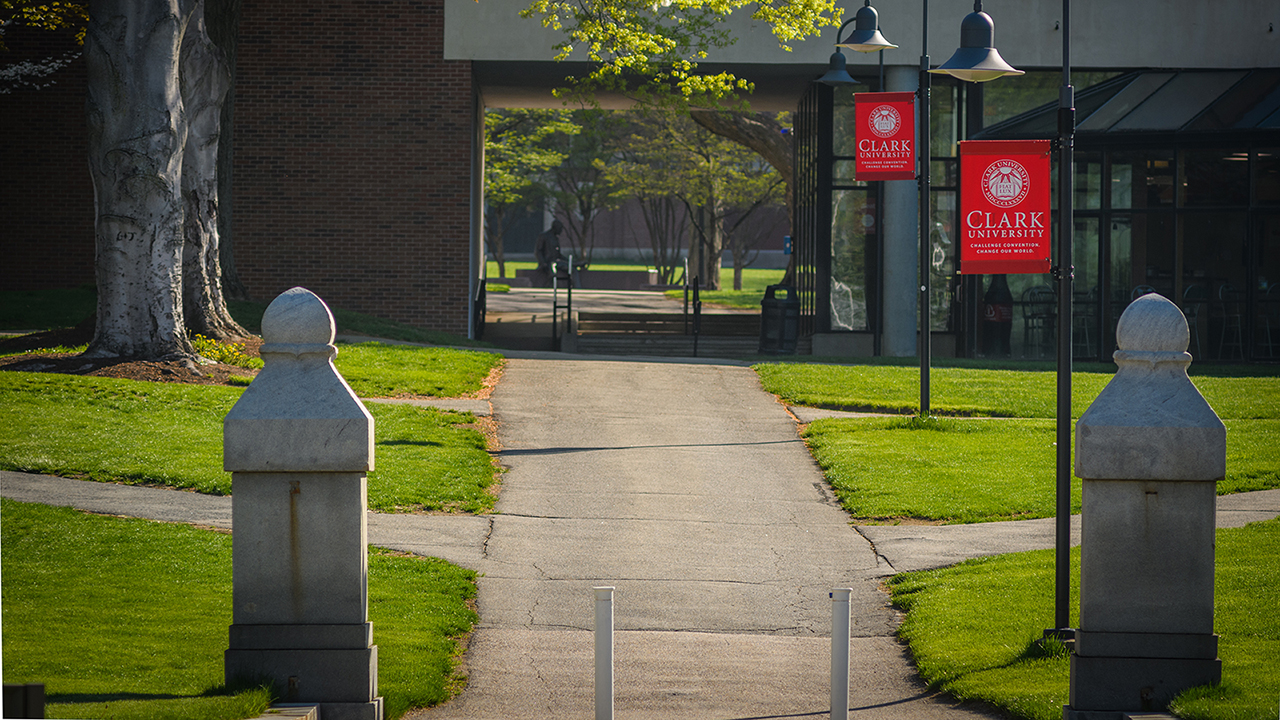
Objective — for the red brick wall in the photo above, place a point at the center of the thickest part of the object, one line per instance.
(353, 158)
(46, 200)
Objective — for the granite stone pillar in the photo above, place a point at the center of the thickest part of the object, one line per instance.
(299, 444)
(1149, 452)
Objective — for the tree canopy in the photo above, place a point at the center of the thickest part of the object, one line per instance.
(651, 50)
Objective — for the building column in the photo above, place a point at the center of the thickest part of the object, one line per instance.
(901, 244)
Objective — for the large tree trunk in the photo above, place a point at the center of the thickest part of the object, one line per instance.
(137, 131)
(205, 79)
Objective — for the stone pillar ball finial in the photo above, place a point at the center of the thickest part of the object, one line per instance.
(1152, 324)
(298, 317)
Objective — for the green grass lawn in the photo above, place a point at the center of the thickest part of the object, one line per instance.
(380, 370)
(754, 282)
(978, 470)
(126, 431)
(962, 470)
(124, 618)
(974, 630)
(995, 392)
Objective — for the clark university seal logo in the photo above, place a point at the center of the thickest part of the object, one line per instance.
(885, 121)
(1005, 183)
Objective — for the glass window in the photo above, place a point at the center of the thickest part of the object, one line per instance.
(1150, 262)
(1088, 178)
(1179, 100)
(945, 109)
(853, 233)
(1086, 331)
(1142, 179)
(942, 260)
(843, 172)
(1215, 281)
(1214, 177)
(844, 138)
(1123, 102)
(1266, 177)
(946, 173)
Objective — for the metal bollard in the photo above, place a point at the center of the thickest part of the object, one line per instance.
(840, 653)
(604, 653)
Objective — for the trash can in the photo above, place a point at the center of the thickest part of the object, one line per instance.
(779, 320)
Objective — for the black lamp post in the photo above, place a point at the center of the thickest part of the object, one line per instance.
(865, 38)
(977, 60)
(1064, 273)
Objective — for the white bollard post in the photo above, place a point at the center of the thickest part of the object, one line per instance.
(604, 653)
(840, 653)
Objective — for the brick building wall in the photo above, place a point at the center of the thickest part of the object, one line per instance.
(353, 158)
(46, 202)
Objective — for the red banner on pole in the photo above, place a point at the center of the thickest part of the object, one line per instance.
(1004, 206)
(886, 131)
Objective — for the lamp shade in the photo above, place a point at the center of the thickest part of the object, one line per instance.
(866, 35)
(836, 73)
(977, 60)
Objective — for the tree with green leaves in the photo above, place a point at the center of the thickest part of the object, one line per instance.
(582, 186)
(521, 151)
(715, 179)
(650, 52)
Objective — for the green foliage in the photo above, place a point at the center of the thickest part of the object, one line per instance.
(46, 16)
(127, 431)
(974, 630)
(652, 50)
(518, 151)
(125, 618)
(224, 352)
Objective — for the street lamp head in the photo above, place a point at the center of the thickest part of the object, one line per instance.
(977, 60)
(837, 75)
(866, 35)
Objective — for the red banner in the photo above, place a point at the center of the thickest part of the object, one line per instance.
(886, 131)
(1004, 206)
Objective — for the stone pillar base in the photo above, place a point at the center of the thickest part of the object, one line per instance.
(343, 676)
(1135, 684)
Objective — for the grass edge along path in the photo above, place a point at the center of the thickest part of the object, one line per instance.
(127, 618)
(974, 630)
(125, 431)
(964, 470)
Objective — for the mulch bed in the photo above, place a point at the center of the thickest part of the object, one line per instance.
(177, 371)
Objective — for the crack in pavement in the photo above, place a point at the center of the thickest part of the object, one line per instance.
(879, 556)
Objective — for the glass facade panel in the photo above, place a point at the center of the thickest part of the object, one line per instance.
(1215, 282)
(945, 111)
(1123, 102)
(1088, 179)
(1150, 239)
(1214, 177)
(1142, 179)
(1178, 101)
(1266, 332)
(844, 141)
(942, 260)
(853, 243)
(1266, 177)
(1086, 303)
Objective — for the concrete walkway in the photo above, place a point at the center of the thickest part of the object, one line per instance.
(684, 486)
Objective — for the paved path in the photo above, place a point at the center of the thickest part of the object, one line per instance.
(685, 487)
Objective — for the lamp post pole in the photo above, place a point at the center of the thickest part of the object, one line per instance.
(1065, 275)
(922, 146)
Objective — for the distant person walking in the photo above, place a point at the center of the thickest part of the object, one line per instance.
(547, 252)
